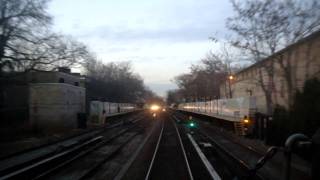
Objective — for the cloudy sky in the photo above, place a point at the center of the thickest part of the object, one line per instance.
(160, 37)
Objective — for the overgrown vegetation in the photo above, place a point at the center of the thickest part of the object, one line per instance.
(302, 118)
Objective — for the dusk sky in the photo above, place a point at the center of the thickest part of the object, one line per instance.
(161, 38)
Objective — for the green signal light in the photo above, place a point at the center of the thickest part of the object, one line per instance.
(192, 125)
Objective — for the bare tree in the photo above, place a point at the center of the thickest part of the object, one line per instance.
(26, 42)
(50, 53)
(21, 22)
(203, 81)
(263, 27)
(115, 82)
(173, 96)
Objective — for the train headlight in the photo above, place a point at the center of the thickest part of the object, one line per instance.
(246, 121)
(154, 107)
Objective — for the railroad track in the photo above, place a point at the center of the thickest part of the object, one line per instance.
(95, 157)
(42, 166)
(237, 166)
(166, 148)
(166, 153)
(206, 171)
(230, 138)
(71, 137)
(247, 157)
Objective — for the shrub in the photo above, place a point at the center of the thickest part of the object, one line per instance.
(303, 116)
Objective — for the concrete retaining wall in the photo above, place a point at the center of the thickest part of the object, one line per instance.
(55, 105)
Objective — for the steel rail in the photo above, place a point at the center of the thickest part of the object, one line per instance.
(213, 173)
(96, 167)
(74, 136)
(183, 150)
(82, 154)
(250, 148)
(125, 168)
(246, 167)
(31, 168)
(155, 153)
(229, 154)
(44, 161)
(205, 161)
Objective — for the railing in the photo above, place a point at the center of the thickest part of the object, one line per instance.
(294, 143)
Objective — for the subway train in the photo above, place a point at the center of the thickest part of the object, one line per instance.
(97, 108)
(239, 111)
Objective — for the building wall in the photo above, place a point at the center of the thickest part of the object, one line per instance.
(55, 105)
(301, 59)
(54, 77)
(13, 105)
